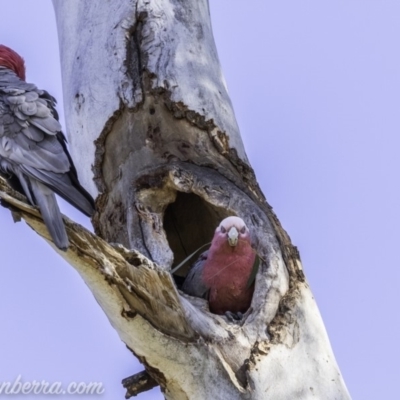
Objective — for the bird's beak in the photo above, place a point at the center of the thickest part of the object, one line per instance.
(233, 236)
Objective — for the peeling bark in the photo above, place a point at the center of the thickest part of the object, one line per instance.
(154, 136)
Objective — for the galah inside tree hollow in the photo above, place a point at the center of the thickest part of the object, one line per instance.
(225, 273)
(33, 148)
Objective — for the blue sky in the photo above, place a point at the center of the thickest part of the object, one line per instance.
(316, 91)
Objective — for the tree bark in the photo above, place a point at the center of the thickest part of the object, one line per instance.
(154, 137)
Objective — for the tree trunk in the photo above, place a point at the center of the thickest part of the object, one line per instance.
(153, 135)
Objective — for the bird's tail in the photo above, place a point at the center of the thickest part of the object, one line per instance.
(45, 199)
(70, 191)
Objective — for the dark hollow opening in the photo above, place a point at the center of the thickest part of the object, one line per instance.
(189, 223)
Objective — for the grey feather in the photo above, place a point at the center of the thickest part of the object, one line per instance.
(28, 108)
(31, 96)
(33, 133)
(46, 154)
(49, 125)
(33, 148)
(25, 185)
(47, 203)
(61, 184)
(194, 284)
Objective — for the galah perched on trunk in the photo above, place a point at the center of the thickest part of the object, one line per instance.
(225, 273)
(33, 148)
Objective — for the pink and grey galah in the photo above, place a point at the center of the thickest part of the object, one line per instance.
(225, 273)
(33, 151)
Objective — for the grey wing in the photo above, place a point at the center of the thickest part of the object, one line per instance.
(31, 141)
(194, 284)
(29, 132)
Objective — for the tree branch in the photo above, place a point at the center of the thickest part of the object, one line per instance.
(172, 333)
(138, 383)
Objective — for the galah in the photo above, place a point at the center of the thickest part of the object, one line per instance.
(33, 148)
(224, 274)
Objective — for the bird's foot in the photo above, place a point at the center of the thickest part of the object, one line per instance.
(239, 317)
(234, 317)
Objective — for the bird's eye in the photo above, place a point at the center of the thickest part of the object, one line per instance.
(243, 230)
(223, 230)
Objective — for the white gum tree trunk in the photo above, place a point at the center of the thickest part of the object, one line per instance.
(154, 137)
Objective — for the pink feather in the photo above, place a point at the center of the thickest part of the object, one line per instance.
(227, 269)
